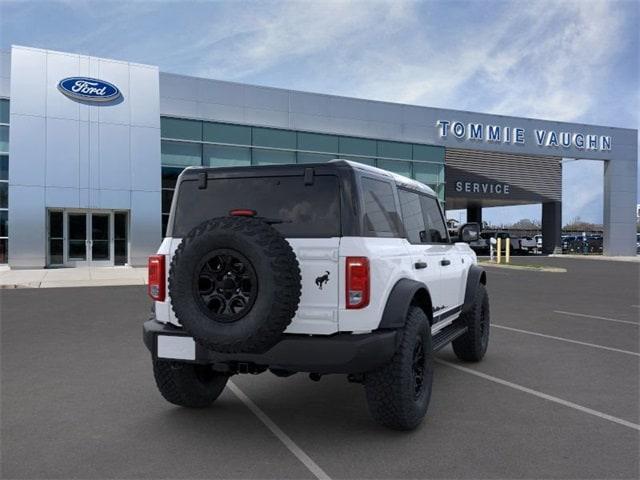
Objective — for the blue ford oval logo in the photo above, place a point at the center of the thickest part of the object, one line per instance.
(88, 89)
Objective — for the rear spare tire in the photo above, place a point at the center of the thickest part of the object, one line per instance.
(235, 284)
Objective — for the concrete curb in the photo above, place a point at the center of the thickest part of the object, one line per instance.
(524, 267)
(115, 282)
(601, 258)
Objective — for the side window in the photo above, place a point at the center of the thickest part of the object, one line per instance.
(436, 228)
(412, 216)
(381, 218)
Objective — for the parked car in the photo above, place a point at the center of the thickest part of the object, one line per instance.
(322, 268)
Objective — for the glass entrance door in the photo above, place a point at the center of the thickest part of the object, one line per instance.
(87, 238)
(100, 240)
(77, 240)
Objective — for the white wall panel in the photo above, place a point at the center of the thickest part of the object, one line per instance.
(145, 155)
(28, 150)
(115, 162)
(63, 153)
(115, 199)
(267, 98)
(28, 82)
(59, 66)
(223, 113)
(118, 74)
(144, 91)
(211, 91)
(62, 197)
(27, 224)
(145, 235)
(272, 118)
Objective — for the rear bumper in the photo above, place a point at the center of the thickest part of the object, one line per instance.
(339, 353)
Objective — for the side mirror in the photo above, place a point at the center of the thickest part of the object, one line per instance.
(469, 232)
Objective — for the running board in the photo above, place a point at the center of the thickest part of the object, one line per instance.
(447, 335)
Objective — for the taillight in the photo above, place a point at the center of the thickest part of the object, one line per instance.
(242, 212)
(357, 282)
(156, 284)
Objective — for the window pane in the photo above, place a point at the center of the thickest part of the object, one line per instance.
(4, 250)
(428, 153)
(394, 150)
(317, 142)
(306, 210)
(170, 176)
(167, 196)
(380, 215)
(436, 229)
(4, 194)
(412, 216)
(55, 252)
(225, 133)
(358, 146)
(427, 173)
(120, 226)
(403, 168)
(4, 111)
(4, 223)
(165, 221)
(4, 139)
(176, 153)
(120, 252)
(55, 225)
(270, 137)
(4, 167)
(314, 157)
(222, 156)
(271, 157)
(178, 128)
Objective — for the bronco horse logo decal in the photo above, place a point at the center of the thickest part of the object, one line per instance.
(322, 279)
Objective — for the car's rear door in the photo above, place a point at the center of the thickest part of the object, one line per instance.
(305, 209)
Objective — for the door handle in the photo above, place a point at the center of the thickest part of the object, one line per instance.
(419, 265)
(445, 262)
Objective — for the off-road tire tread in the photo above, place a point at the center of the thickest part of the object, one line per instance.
(389, 404)
(287, 277)
(181, 387)
(468, 347)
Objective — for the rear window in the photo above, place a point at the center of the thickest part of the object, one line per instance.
(305, 210)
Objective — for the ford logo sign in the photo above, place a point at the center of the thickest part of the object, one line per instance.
(88, 89)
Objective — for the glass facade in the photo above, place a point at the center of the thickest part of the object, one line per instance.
(4, 180)
(194, 142)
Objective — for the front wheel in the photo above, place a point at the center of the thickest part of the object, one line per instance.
(398, 394)
(187, 384)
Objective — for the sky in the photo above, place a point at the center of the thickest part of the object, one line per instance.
(558, 60)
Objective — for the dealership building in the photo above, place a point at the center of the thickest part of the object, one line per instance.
(90, 150)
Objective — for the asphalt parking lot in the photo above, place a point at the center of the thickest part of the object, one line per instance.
(556, 397)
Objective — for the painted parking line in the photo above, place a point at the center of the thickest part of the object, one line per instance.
(574, 314)
(277, 431)
(545, 396)
(563, 339)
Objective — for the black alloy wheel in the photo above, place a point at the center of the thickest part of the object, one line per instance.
(226, 285)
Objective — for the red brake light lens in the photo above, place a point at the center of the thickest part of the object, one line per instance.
(157, 279)
(357, 282)
(242, 212)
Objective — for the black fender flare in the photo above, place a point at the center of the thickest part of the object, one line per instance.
(475, 277)
(405, 292)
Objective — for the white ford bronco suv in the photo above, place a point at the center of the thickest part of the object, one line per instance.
(322, 268)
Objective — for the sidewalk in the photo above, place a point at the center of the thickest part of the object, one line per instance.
(73, 277)
(635, 259)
